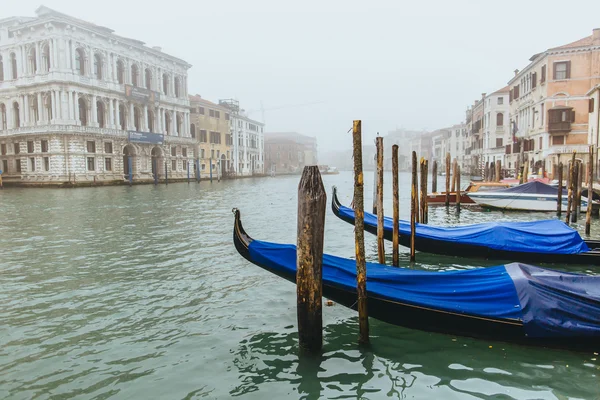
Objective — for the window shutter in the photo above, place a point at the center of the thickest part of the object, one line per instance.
(554, 70)
(568, 69)
(591, 104)
(534, 80)
(543, 74)
(572, 115)
(510, 95)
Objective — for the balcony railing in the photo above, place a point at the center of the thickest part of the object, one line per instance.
(563, 126)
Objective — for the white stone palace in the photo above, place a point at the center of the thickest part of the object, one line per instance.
(80, 104)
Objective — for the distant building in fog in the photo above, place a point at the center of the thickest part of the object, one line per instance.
(289, 152)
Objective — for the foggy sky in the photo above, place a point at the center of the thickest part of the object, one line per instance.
(416, 65)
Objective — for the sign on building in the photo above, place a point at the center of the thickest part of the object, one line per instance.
(146, 137)
(141, 95)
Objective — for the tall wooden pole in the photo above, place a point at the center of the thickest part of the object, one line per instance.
(359, 234)
(571, 188)
(380, 245)
(434, 177)
(424, 174)
(454, 176)
(579, 187)
(590, 196)
(560, 185)
(421, 203)
(396, 206)
(312, 203)
(525, 171)
(447, 179)
(413, 206)
(575, 189)
(498, 170)
(486, 173)
(457, 187)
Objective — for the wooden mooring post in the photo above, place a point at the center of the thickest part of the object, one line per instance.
(434, 177)
(453, 189)
(396, 207)
(498, 170)
(590, 196)
(312, 203)
(447, 179)
(380, 244)
(423, 196)
(457, 186)
(571, 188)
(359, 234)
(413, 205)
(580, 174)
(560, 185)
(525, 171)
(575, 190)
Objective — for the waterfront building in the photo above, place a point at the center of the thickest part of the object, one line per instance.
(248, 140)
(594, 123)
(210, 128)
(452, 140)
(289, 152)
(79, 103)
(549, 107)
(494, 127)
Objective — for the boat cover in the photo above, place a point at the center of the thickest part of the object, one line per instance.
(534, 187)
(549, 303)
(547, 236)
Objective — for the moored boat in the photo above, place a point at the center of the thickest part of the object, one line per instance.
(531, 196)
(513, 302)
(440, 197)
(547, 241)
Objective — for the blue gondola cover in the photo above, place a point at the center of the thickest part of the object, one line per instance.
(550, 304)
(547, 236)
(534, 187)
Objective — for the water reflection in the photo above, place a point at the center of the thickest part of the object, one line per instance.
(401, 363)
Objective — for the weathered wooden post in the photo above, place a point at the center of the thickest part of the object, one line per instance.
(571, 188)
(380, 244)
(130, 167)
(560, 185)
(359, 234)
(396, 207)
(447, 179)
(188, 171)
(417, 203)
(525, 171)
(579, 187)
(166, 174)
(590, 196)
(210, 169)
(413, 205)
(486, 172)
(498, 170)
(575, 190)
(312, 203)
(543, 168)
(453, 176)
(434, 177)
(457, 187)
(155, 169)
(424, 174)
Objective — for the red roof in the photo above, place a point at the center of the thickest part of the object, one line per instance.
(586, 41)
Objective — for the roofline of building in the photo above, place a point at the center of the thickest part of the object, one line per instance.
(592, 90)
(85, 25)
(201, 100)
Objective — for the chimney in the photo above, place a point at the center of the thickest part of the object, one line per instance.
(596, 37)
(516, 72)
(483, 95)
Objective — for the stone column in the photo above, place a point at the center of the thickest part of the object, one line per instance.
(131, 122)
(37, 57)
(21, 111)
(59, 106)
(40, 108)
(94, 110)
(54, 63)
(70, 94)
(76, 107)
(111, 114)
(174, 121)
(117, 115)
(27, 120)
(73, 64)
(145, 124)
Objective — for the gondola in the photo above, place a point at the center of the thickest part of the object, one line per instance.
(513, 302)
(548, 241)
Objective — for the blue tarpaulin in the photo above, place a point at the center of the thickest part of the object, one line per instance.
(550, 304)
(547, 236)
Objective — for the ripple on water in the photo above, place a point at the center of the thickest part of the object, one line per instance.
(138, 293)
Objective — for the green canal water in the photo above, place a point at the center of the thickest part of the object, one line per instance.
(138, 292)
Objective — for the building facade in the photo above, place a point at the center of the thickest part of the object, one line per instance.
(79, 103)
(211, 129)
(549, 107)
(248, 141)
(594, 124)
(289, 152)
(494, 127)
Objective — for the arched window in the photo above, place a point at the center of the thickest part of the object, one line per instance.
(178, 121)
(137, 119)
(16, 116)
(1, 69)
(193, 131)
(150, 121)
(83, 112)
(13, 65)
(80, 61)
(46, 58)
(168, 123)
(48, 106)
(120, 72)
(177, 87)
(165, 79)
(32, 61)
(3, 125)
(101, 112)
(134, 75)
(499, 119)
(98, 66)
(148, 74)
(123, 117)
